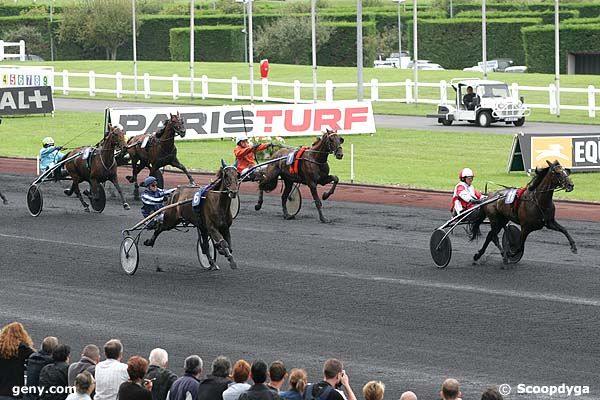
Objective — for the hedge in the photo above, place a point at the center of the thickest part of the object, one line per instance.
(456, 43)
(8, 10)
(546, 16)
(586, 10)
(212, 43)
(539, 44)
(340, 50)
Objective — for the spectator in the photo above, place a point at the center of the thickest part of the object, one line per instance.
(136, 388)
(491, 394)
(55, 374)
(36, 362)
(15, 347)
(334, 376)
(373, 390)
(297, 383)
(241, 373)
(213, 386)
(110, 373)
(277, 374)
(450, 390)
(408, 396)
(84, 387)
(186, 387)
(259, 391)
(90, 356)
(162, 378)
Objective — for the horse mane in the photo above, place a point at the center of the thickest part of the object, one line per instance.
(540, 174)
(162, 130)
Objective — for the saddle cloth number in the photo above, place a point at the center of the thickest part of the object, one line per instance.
(145, 141)
(511, 194)
(290, 158)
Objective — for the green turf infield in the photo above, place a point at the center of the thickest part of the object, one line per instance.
(408, 158)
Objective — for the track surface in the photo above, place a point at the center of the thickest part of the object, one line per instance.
(362, 289)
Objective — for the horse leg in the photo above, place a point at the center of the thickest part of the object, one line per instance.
(335, 180)
(226, 244)
(259, 203)
(136, 169)
(115, 182)
(4, 199)
(313, 190)
(222, 245)
(491, 236)
(555, 226)
(94, 188)
(157, 231)
(205, 249)
(75, 188)
(179, 165)
(284, 197)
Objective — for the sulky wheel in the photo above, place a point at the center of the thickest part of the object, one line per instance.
(202, 258)
(234, 206)
(294, 201)
(99, 202)
(129, 254)
(441, 248)
(35, 201)
(511, 238)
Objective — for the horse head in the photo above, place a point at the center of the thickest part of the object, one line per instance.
(229, 179)
(116, 136)
(333, 143)
(176, 123)
(560, 176)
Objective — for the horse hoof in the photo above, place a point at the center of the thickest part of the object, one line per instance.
(5, 202)
(149, 242)
(289, 217)
(68, 192)
(126, 206)
(257, 207)
(476, 257)
(232, 263)
(326, 195)
(325, 220)
(86, 209)
(574, 250)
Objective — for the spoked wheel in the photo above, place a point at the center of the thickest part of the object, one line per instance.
(130, 258)
(511, 238)
(99, 202)
(202, 258)
(160, 180)
(35, 201)
(234, 206)
(294, 201)
(441, 248)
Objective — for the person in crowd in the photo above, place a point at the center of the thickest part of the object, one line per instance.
(162, 379)
(334, 377)
(84, 387)
(245, 156)
(186, 387)
(15, 348)
(491, 394)
(49, 154)
(90, 356)
(450, 390)
(153, 198)
(408, 395)
(373, 390)
(55, 374)
(136, 388)
(110, 373)
(465, 195)
(36, 362)
(259, 391)
(297, 383)
(240, 375)
(213, 386)
(470, 99)
(277, 374)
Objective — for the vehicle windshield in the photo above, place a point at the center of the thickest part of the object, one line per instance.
(495, 90)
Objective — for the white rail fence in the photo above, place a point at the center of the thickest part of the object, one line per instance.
(12, 56)
(231, 89)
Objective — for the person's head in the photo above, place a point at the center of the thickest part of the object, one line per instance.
(242, 140)
(193, 365)
(241, 371)
(113, 349)
(159, 357)
(47, 142)
(450, 389)
(332, 370)
(11, 336)
(137, 367)
(373, 390)
(466, 175)
(221, 366)
(85, 383)
(408, 396)
(92, 352)
(469, 89)
(151, 183)
(258, 371)
(491, 394)
(277, 371)
(61, 353)
(298, 380)
(49, 344)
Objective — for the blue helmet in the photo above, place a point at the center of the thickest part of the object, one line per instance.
(149, 181)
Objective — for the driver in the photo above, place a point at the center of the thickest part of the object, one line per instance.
(49, 154)
(469, 98)
(245, 155)
(153, 198)
(465, 195)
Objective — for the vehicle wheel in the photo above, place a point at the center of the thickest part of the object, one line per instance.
(510, 240)
(35, 201)
(519, 122)
(234, 206)
(202, 258)
(99, 203)
(446, 122)
(294, 201)
(440, 248)
(129, 255)
(484, 119)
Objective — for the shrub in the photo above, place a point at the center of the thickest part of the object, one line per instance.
(212, 43)
(340, 49)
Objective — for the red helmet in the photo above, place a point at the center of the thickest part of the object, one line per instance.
(466, 173)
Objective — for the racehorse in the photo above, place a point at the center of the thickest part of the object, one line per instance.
(100, 168)
(533, 210)
(158, 152)
(312, 169)
(213, 219)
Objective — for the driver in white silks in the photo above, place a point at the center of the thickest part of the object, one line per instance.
(465, 195)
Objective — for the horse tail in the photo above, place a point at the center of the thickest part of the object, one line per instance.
(474, 226)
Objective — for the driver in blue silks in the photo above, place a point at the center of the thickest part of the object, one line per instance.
(153, 198)
(49, 154)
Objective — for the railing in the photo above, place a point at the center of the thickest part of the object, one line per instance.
(5, 56)
(235, 89)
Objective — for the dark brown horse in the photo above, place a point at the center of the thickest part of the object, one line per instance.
(534, 210)
(214, 218)
(158, 152)
(101, 166)
(313, 170)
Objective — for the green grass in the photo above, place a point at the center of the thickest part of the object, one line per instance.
(289, 73)
(418, 159)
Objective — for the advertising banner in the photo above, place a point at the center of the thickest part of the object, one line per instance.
(13, 76)
(26, 100)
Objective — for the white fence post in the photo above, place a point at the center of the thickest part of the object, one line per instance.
(591, 101)
(65, 83)
(265, 89)
(552, 95)
(204, 86)
(92, 83)
(146, 85)
(175, 79)
(119, 79)
(296, 91)
(328, 90)
(409, 90)
(22, 50)
(1, 50)
(515, 92)
(374, 89)
(234, 88)
(352, 163)
(443, 92)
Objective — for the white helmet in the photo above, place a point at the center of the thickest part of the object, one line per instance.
(240, 137)
(465, 173)
(48, 141)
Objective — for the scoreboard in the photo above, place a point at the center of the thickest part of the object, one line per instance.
(11, 76)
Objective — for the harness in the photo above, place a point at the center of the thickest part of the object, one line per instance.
(295, 167)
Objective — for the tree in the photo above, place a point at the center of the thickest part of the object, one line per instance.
(287, 40)
(98, 24)
(34, 41)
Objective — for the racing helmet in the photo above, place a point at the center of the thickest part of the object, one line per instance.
(466, 173)
(149, 181)
(48, 141)
(240, 137)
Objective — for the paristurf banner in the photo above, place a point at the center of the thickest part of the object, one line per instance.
(347, 117)
(26, 100)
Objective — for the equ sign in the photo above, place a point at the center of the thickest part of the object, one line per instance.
(26, 100)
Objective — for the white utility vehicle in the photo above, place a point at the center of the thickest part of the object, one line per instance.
(491, 102)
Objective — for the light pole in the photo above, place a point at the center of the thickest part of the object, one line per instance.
(484, 39)
(313, 21)
(557, 56)
(415, 52)
(243, 3)
(250, 50)
(359, 51)
(135, 85)
(192, 36)
(51, 34)
(399, 32)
